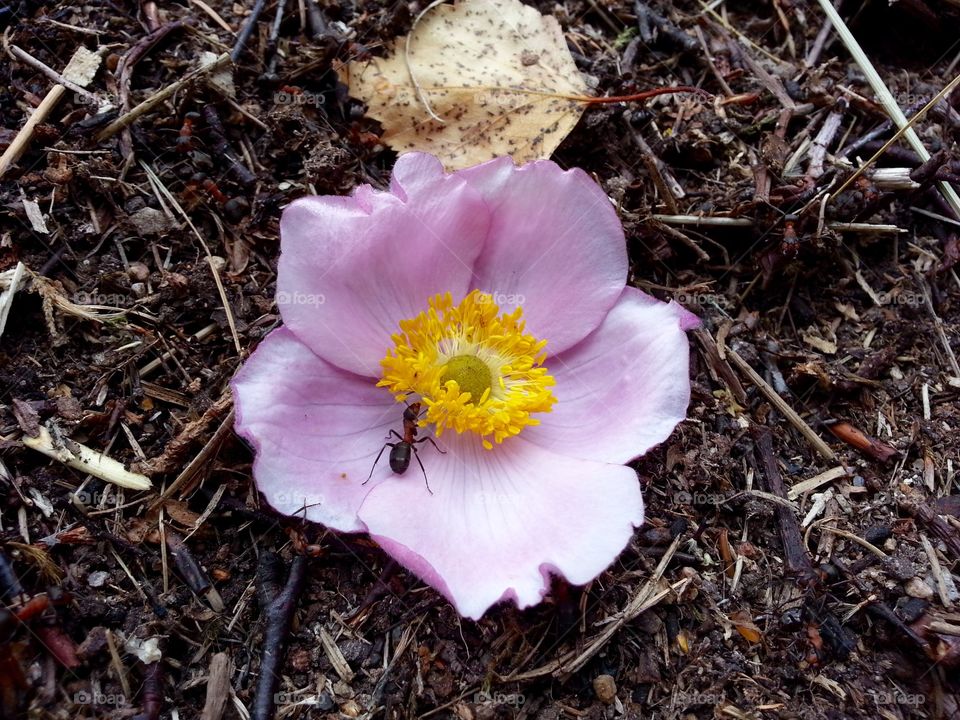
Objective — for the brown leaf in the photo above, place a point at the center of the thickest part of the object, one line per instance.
(746, 627)
(498, 74)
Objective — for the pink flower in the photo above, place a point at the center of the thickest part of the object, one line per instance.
(505, 283)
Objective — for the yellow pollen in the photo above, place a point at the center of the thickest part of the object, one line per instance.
(470, 373)
(473, 368)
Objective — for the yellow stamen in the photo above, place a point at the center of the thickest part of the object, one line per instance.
(473, 368)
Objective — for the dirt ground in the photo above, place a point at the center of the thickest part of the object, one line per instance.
(744, 595)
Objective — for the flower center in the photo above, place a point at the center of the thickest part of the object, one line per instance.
(473, 368)
(471, 374)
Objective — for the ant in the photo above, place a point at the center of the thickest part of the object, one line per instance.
(790, 245)
(185, 139)
(400, 451)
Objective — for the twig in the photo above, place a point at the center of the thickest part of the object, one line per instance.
(151, 102)
(87, 460)
(727, 90)
(79, 71)
(938, 324)
(51, 73)
(670, 190)
(871, 447)
(880, 610)
(151, 697)
(190, 570)
(703, 220)
(278, 608)
(818, 151)
(685, 239)
(719, 366)
(650, 594)
(937, 572)
(175, 452)
(247, 30)
(22, 140)
(222, 149)
(795, 554)
(788, 412)
(810, 484)
(923, 512)
(224, 301)
(818, 44)
(889, 103)
(648, 18)
(218, 687)
(125, 67)
(271, 52)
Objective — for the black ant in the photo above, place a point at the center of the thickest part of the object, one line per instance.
(400, 451)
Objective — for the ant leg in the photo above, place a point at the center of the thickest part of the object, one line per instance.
(385, 446)
(395, 434)
(442, 452)
(417, 456)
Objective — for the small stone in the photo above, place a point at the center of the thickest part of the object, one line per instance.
(98, 578)
(917, 588)
(150, 221)
(605, 688)
(138, 272)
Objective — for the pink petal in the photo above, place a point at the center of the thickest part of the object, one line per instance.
(623, 389)
(556, 247)
(352, 268)
(501, 521)
(316, 430)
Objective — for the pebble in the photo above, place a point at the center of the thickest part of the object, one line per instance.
(917, 588)
(98, 578)
(138, 272)
(605, 688)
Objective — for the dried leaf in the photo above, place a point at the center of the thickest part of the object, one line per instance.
(497, 72)
(746, 627)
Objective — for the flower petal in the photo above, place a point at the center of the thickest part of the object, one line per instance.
(555, 246)
(316, 430)
(352, 268)
(500, 521)
(625, 387)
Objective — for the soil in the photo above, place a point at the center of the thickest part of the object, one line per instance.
(837, 602)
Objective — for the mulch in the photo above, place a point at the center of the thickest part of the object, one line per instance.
(801, 550)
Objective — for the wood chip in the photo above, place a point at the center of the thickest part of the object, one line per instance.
(805, 486)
